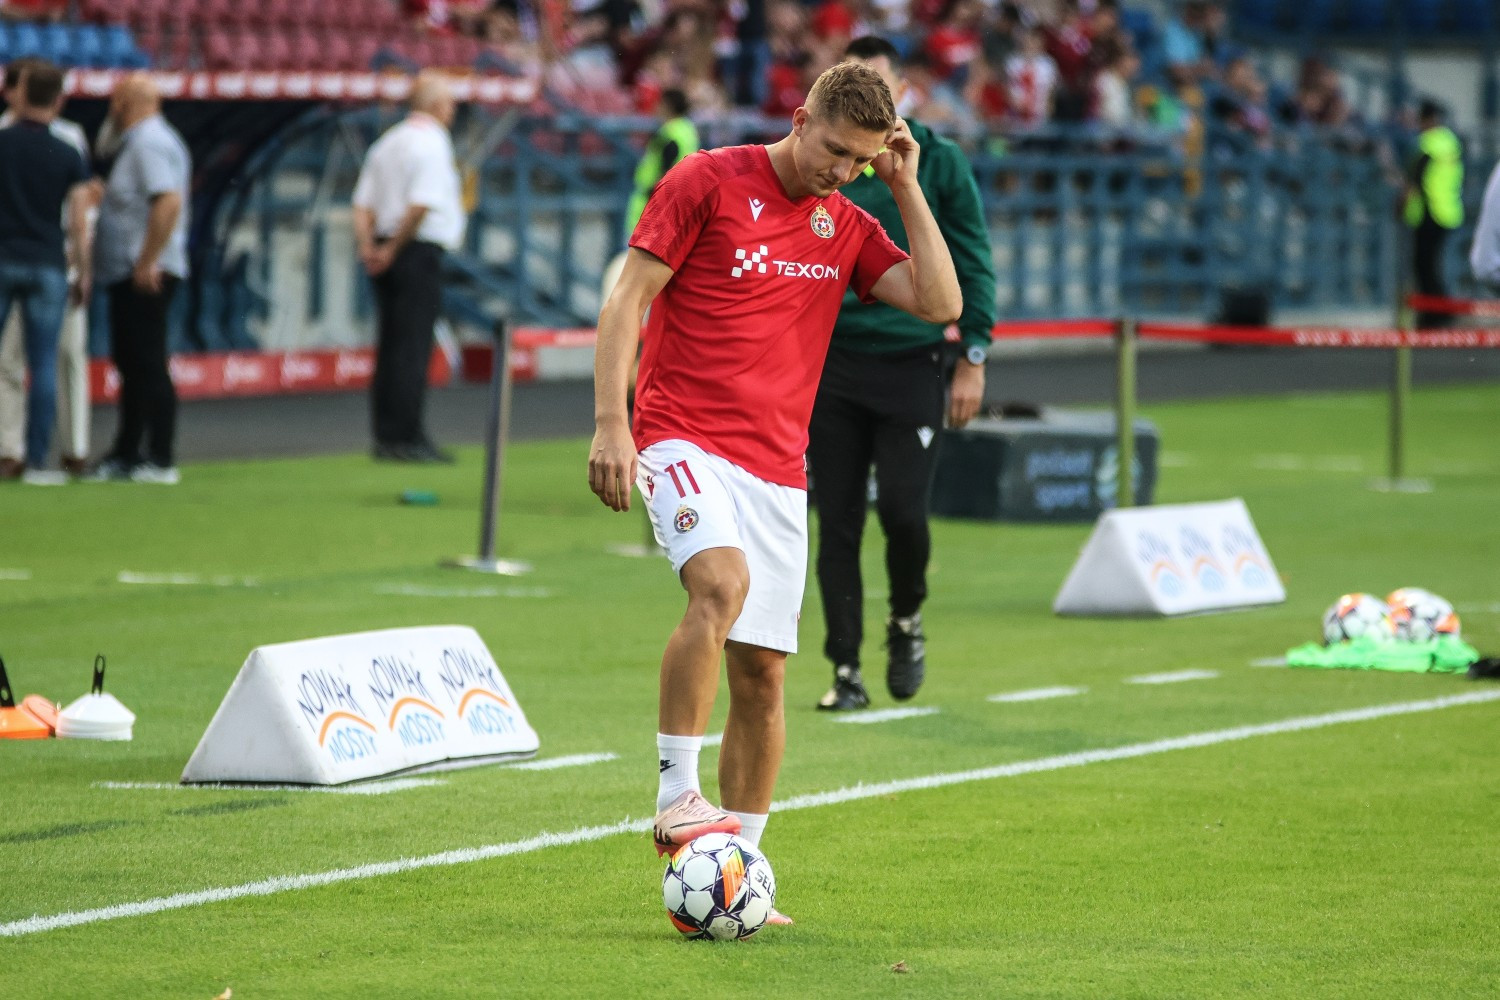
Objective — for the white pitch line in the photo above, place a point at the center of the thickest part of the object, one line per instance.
(371, 788)
(713, 739)
(1173, 677)
(185, 580)
(553, 763)
(420, 590)
(15, 574)
(1269, 661)
(1493, 608)
(883, 715)
(1037, 694)
(291, 883)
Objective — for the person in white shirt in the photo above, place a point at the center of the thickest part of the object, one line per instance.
(72, 351)
(1484, 256)
(407, 214)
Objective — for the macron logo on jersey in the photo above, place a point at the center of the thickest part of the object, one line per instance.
(755, 206)
(760, 261)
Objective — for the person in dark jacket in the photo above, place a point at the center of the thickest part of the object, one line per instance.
(887, 382)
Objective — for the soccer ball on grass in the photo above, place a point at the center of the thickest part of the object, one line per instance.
(1420, 615)
(1358, 616)
(719, 888)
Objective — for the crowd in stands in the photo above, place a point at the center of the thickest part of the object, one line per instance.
(976, 66)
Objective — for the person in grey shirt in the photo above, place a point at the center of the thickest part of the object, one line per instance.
(140, 258)
(1484, 255)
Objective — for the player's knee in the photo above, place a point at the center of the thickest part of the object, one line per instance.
(758, 677)
(720, 595)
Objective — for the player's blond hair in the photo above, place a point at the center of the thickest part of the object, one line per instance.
(854, 93)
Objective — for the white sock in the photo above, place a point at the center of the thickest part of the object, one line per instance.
(752, 825)
(678, 762)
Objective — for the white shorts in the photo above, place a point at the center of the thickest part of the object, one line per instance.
(700, 501)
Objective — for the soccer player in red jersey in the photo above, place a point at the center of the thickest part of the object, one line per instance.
(743, 255)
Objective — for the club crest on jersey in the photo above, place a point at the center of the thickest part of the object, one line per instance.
(822, 222)
(686, 519)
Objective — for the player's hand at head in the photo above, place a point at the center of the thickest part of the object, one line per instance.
(897, 163)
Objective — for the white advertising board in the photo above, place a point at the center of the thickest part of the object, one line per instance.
(1171, 560)
(348, 707)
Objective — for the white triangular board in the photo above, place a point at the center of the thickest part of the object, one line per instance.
(351, 707)
(1173, 559)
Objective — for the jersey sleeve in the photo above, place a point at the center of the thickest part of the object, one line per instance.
(678, 208)
(877, 256)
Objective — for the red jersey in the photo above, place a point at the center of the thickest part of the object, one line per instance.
(735, 342)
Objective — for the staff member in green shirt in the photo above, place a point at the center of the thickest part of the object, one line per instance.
(1434, 204)
(881, 402)
(676, 139)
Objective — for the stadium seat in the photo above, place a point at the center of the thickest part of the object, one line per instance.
(25, 40)
(56, 43)
(232, 49)
(275, 50)
(88, 45)
(335, 51)
(120, 50)
(1471, 16)
(366, 47)
(104, 11)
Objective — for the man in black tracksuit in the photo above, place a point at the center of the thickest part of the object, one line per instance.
(881, 402)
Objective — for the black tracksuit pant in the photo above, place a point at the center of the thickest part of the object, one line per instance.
(885, 410)
(408, 298)
(1428, 243)
(138, 347)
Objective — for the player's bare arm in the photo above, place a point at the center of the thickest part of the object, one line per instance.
(612, 453)
(927, 285)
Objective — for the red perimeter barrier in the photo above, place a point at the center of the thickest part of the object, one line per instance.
(1453, 307)
(1053, 328)
(262, 373)
(1322, 336)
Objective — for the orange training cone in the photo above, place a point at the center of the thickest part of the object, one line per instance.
(17, 723)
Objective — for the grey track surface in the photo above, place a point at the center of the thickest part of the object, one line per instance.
(331, 423)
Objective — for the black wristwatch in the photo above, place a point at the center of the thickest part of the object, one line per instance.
(975, 354)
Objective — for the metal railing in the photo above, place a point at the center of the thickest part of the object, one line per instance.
(1081, 224)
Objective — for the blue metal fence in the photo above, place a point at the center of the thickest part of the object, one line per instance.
(1081, 224)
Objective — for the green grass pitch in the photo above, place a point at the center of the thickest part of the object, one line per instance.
(1351, 860)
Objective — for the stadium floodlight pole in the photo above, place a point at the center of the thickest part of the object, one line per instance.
(494, 461)
(1125, 345)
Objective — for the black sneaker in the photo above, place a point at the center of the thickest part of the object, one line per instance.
(907, 648)
(848, 691)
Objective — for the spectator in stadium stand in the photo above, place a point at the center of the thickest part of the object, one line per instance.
(1069, 42)
(888, 381)
(72, 352)
(140, 260)
(1031, 79)
(1240, 103)
(1484, 255)
(1114, 82)
(720, 426)
(1191, 41)
(407, 214)
(40, 176)
(1434, 204)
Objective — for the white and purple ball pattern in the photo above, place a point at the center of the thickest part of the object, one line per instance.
(1358, 616)
(1420, 615)
(718, 888)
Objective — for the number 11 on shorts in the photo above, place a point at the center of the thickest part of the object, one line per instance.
(686, 473)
